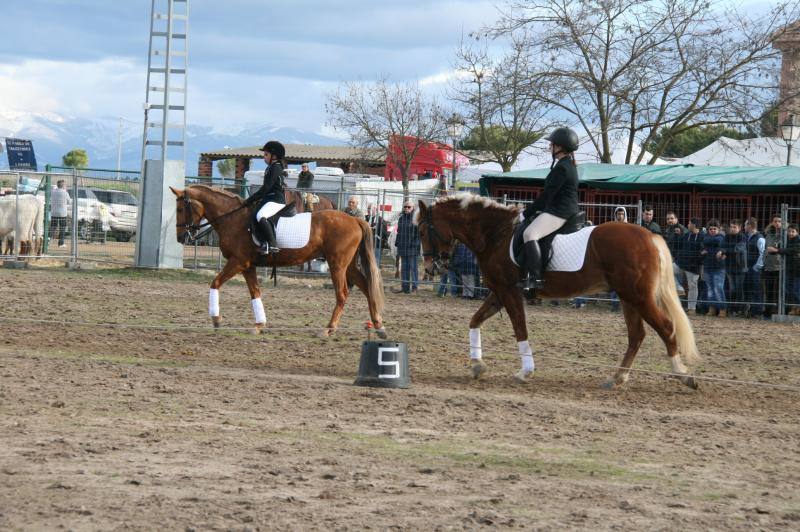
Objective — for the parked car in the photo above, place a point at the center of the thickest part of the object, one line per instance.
(123, 211)
(94, 218)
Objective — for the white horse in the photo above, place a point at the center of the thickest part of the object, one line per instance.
(29, 222)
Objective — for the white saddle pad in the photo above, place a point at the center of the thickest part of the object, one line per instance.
(293, 232)
(569, 251)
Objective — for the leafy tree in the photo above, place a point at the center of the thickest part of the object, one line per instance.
(496, 138)
(769, 122)
(76, 158)
(227, 168)
(689, 141)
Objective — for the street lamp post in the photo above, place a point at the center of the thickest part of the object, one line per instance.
(455, 127)
(790, 131)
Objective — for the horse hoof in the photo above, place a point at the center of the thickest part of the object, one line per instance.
(610, 384)
(690, 382)
(258, 329)
(523, 376)
(478, 369)
(216, 321)
(381, 333)
(325, 333)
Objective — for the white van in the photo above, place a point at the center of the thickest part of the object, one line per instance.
(326, 179)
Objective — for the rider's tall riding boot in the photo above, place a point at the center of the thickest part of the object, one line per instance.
(533, 261)
(268, 246)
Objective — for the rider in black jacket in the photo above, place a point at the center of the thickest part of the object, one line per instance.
(557, 202)
(269, 199)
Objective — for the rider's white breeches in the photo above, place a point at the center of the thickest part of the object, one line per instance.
(541, 226)
(269, 209)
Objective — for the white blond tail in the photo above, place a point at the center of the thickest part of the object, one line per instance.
(667, 299)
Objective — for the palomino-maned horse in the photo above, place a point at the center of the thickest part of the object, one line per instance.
(297, 197)
(623, 257)
(343, 241)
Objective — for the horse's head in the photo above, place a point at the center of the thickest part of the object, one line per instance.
(436, 238)
(188, 214)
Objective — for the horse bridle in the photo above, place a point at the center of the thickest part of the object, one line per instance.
(191, 228)
(433, 237)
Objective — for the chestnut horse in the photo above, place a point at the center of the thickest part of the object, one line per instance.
(296, 197)
(619, 256)
(338, 238)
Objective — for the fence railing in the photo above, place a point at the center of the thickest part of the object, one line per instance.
(100, 226)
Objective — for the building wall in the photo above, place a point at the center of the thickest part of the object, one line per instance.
(789, 45)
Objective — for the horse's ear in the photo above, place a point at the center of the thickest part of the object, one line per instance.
(423, 209)
(177, 193)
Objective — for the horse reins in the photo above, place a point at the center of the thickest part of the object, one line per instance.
(433, 238)
(192, 228)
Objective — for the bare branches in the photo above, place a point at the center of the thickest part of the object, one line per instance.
(384, 114)
(501, 111)
(638, 66)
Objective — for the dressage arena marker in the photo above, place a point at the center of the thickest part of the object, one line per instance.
(383, 364)
(204, 328)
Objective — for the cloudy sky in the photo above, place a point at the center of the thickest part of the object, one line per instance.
(268, 61)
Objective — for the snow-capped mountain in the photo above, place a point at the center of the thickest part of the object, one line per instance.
(54, 135)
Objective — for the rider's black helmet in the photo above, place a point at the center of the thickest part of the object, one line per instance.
(564, 137)
(275, 148)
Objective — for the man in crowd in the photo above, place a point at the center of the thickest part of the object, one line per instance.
(714, 269)
(352, 208)
(689, 260)
(60, 203)
(305, 182)
(379, 229)
(735, 266)
(407, 244)
(773, 264)
(673, 234)
(756, 246)
(792, 254)
(647, 220)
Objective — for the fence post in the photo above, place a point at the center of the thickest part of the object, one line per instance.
(74, 215)
(17, 236)
(783, 260)
(47, 193)
(639, 212)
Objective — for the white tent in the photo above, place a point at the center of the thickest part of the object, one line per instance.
(761, 151)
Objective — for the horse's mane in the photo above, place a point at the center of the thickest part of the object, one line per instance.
(217, 191)
(465, 200)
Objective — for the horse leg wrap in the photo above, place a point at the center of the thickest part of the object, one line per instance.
(526, 355)
(213, 302)
(258, 310)
(475, 351)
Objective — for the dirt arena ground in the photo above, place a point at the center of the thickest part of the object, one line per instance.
(148, 427)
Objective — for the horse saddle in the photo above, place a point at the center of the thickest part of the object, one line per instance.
(286, 212)
(574, 223)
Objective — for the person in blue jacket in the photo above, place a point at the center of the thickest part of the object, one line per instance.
(714, 268)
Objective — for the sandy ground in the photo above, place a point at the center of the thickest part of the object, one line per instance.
(149, 426)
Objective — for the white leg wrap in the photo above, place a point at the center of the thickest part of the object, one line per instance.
(526, 355)
(475, 351)
(258, 310)
(213, 302)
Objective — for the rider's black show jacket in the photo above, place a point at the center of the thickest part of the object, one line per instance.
(560, 194)
(272, 188)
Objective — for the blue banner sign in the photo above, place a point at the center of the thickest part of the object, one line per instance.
(20, 154)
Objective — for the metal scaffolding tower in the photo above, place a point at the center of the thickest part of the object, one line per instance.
(164, 138)
(167, 78)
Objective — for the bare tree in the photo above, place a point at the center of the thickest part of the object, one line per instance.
(500, 109)
(396, 117)
(634, 67)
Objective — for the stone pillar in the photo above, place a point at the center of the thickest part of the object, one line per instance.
(789, 45)
(242, 166)
(205, 168)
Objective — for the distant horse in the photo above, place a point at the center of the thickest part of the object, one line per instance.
(343, 241)
(298, 198)
(619, 256)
